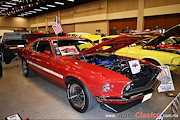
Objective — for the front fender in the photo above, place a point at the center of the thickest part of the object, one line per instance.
(94, 85)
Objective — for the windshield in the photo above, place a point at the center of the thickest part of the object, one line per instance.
(71, 47)
(104, 39)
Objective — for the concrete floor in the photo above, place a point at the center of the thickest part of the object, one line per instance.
(37, 98)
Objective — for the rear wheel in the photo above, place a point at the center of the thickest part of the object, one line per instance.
(26, 69)
(80, 97)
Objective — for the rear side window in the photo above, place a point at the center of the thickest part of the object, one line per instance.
(34, 47)
(41, 46)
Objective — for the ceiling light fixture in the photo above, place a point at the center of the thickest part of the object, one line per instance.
(33, 11)
(51, 5)
(37, 9)
(60, 3)
(3, 8)
(71, 0)
(6, 5)
(13, 4)
(44, 8)
(16, 0)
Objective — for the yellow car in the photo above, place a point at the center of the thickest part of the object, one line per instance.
(107, 38)
(159, 58)
(94, 38)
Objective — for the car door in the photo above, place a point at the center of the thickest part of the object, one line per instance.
(44, 62)
(39, 59)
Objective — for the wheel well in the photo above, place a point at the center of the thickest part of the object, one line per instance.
(70, 79)
(153, 61)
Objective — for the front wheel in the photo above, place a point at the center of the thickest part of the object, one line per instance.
(80, 97)
(26, 69)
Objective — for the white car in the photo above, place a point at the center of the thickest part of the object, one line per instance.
(77, 34)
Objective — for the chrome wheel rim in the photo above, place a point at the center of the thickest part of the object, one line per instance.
(24, 67)
(77, 96)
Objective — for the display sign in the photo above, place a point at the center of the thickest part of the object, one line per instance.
(68, 50)
(147, 97)
(166, 80)
(135, 66)
(14, 117)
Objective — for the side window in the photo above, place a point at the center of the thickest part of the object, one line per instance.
(43, 45)
(34, 47)
(55, 43)
(104, 39)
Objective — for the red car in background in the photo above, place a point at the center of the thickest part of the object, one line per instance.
(93, 75)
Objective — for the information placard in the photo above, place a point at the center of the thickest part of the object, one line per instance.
(135, 66)
(166, 80)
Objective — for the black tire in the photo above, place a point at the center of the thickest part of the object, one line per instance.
(8, 55)
(27, 72)
(80, 97)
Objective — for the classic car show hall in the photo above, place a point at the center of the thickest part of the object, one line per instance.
(90, 59)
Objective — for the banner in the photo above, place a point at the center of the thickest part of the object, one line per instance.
(57, 26)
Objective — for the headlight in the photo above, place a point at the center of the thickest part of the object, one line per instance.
(175, 61)
(128, 87)
(106, 87)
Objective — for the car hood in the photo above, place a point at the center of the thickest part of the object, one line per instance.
(171, 32)
(114, 44)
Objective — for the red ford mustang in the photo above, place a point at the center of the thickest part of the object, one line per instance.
(92, 75)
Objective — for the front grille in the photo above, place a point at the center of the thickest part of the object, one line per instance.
(143, 80)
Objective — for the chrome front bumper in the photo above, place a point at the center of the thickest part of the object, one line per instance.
(129, 97)
(123, 98)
